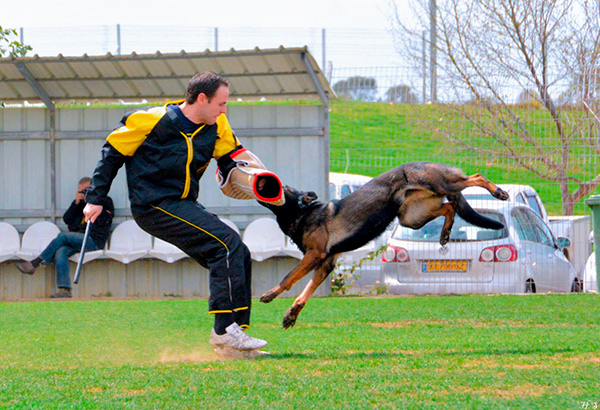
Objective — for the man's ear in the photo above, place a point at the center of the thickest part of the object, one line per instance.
(309, 197)
(201, 98)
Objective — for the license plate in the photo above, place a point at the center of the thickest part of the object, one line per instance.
(445, 266)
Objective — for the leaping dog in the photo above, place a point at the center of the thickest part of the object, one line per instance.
(414, 192)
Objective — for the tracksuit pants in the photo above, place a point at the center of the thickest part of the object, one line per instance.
(210, 242)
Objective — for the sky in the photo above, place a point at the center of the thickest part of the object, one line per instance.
(358, 14)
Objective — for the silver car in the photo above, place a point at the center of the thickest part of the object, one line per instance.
(522, 257)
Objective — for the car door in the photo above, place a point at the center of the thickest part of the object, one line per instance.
(528, 249)
(551, 266)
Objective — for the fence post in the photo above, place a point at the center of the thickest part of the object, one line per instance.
(323, 45)
(424, 56)
(433, 50)
(594, 203)
(118, 39)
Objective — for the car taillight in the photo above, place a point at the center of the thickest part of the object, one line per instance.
(395, 254)
(500, 253)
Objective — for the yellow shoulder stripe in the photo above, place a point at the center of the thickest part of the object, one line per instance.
(128, 138)
(226, 140)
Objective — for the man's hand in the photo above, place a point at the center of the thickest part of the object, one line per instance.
(91, 212)
(79, 196)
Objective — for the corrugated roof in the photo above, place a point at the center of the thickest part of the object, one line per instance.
(275, 74)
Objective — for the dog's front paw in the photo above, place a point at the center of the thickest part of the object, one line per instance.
(268, 297)
(500, 194)
(289, 320)
(444, 238)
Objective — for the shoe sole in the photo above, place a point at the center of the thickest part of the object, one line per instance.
(231, 353)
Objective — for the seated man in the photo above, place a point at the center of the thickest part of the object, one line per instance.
(69, 243)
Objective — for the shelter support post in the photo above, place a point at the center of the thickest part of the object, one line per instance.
(45, 97)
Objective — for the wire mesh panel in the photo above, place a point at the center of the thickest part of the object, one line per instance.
(545, 244)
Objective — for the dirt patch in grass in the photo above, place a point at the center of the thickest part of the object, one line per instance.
(520, 391)
(188, 357)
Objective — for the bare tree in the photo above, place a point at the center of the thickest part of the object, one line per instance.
(357, 88)
(401, 94)
(549, 49)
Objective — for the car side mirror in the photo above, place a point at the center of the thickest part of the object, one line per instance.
(563, 242)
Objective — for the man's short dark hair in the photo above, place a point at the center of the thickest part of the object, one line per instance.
(85, 180)
(207, 83)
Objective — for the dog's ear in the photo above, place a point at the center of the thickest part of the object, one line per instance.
(309, 197)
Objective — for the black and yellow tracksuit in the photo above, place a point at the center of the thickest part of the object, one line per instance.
(164, 165)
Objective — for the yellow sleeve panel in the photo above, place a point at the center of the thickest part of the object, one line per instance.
(128, 138)
(226, 139)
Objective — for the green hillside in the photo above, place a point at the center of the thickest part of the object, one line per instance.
(370, 138)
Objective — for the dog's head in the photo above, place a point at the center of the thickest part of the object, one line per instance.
(295, 202)
(299, 199)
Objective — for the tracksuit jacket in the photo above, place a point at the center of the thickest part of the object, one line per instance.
(164, 166)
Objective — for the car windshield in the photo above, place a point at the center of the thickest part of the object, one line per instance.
(462, 231)
(478, 196)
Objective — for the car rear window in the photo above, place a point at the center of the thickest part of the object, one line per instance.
(462, 231)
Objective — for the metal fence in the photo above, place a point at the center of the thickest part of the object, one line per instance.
(396, 127)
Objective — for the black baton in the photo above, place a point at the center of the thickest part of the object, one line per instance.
(82, 253)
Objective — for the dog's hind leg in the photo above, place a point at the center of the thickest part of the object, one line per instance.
(320, 275)
(311, 260)
(448, 210)
(481, 181)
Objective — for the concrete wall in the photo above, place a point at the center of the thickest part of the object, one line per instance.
(144, 278)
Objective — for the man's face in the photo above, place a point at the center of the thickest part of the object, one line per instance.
(209, 110)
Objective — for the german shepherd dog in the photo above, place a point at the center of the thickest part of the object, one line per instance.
(414, 192)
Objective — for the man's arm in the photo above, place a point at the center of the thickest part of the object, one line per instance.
(120, 145)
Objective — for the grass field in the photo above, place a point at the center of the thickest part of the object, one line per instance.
(345, 353)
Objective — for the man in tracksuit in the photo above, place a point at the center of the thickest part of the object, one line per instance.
(165, 151)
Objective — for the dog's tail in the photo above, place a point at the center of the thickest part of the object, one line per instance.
(464, 210)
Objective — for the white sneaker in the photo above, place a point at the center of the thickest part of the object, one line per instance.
(235, 338)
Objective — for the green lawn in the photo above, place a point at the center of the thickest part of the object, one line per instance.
(536, 351)
(370, 138)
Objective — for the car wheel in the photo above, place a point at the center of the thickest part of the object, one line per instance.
(529, 286)
(576, 286)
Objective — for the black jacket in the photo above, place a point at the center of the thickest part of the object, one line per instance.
(99, 230)
(162, 161)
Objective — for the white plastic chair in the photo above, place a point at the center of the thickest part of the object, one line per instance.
(9, 241)
(291, 249)
(89, 255)
(36, 238)
(231, 224)
(166, 252)
(264, 239)
(129, 242)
